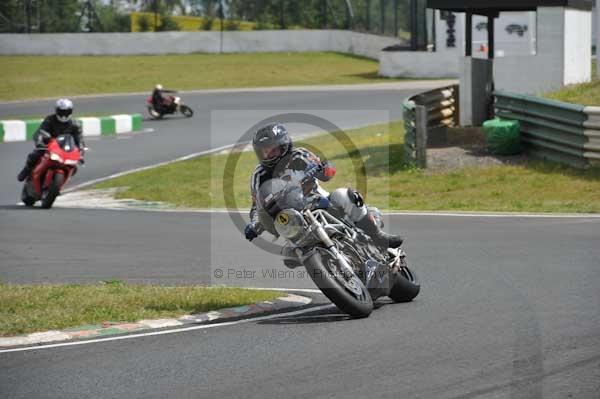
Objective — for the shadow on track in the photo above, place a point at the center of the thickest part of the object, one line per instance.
(164, 119)
(19, 207)
(322, 316)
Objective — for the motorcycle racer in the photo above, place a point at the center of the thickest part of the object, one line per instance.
(161, 104)
(275, 152)
(53, 126)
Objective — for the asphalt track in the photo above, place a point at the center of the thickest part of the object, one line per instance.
(510, 308)
(177, 136)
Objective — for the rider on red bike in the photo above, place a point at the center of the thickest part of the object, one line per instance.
(53, 126)
(161, 103)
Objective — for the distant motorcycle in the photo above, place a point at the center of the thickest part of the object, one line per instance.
(172, 105)
(52, 172)
(341, 259)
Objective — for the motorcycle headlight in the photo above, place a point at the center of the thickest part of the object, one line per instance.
(55, 157)
(289, 223)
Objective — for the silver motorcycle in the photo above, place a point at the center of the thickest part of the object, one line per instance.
(340, 258)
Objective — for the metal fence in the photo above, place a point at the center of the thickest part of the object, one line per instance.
(554, 130)
(408, 20)
(426, 115)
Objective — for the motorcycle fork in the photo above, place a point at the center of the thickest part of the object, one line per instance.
(320, 231)
(38, 172)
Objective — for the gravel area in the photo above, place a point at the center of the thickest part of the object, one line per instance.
(452, 158)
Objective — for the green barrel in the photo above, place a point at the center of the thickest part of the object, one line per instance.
(503, 136)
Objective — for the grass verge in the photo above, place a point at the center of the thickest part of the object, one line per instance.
(584, 94)
(44, 76)
(534, 187)
(30, 308)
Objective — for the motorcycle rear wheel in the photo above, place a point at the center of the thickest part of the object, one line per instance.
(357, 304)
(154, 114)
(405, 285)
(27, 200)
(49, 196)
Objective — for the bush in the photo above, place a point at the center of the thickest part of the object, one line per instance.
(231, 24)
(167, 23)
(261, 25)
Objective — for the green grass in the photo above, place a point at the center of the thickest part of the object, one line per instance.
(48, 76)
(30, 308)
(584, 94)
(535, 187)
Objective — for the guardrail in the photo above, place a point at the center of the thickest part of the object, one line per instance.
(425, 115)
(554, 130)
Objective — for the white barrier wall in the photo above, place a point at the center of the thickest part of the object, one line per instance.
(564, 55)
(194, 42)
(561, 56)
(578, 25)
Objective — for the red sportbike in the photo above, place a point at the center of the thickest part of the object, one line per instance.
(172, 105)
(52, 172)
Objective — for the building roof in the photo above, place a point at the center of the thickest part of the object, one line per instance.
(486, 7)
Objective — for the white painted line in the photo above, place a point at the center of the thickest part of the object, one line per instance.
(399, 213)
(309, 290)
(184, 158)
(173, 331)
(14, 131)
(405, 85)
(497, 215)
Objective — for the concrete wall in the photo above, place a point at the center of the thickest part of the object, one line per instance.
(543, 71)
(193, 42)
(419, 64)
(563, 54)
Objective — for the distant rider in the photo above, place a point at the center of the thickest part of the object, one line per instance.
(53, 126)
(161, 103)
(275, 152)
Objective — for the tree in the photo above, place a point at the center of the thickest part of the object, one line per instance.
(143, 23)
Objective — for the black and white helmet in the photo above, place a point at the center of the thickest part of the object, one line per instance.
(64, 109)
(271, 143)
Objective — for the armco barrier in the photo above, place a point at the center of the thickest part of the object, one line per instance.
(554, 130)
(425, 114)
(22, 130)
(591, 149)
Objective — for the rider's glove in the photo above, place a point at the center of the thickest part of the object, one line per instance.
(42, 138)
(250, 231)
(329, 170)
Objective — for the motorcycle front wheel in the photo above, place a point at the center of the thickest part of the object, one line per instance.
(187, 111)
(348, 293)
(49, 196)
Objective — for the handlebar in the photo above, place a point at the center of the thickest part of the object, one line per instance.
(311, 172)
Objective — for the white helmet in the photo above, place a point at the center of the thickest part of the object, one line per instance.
(64, 109)
(158, 87)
